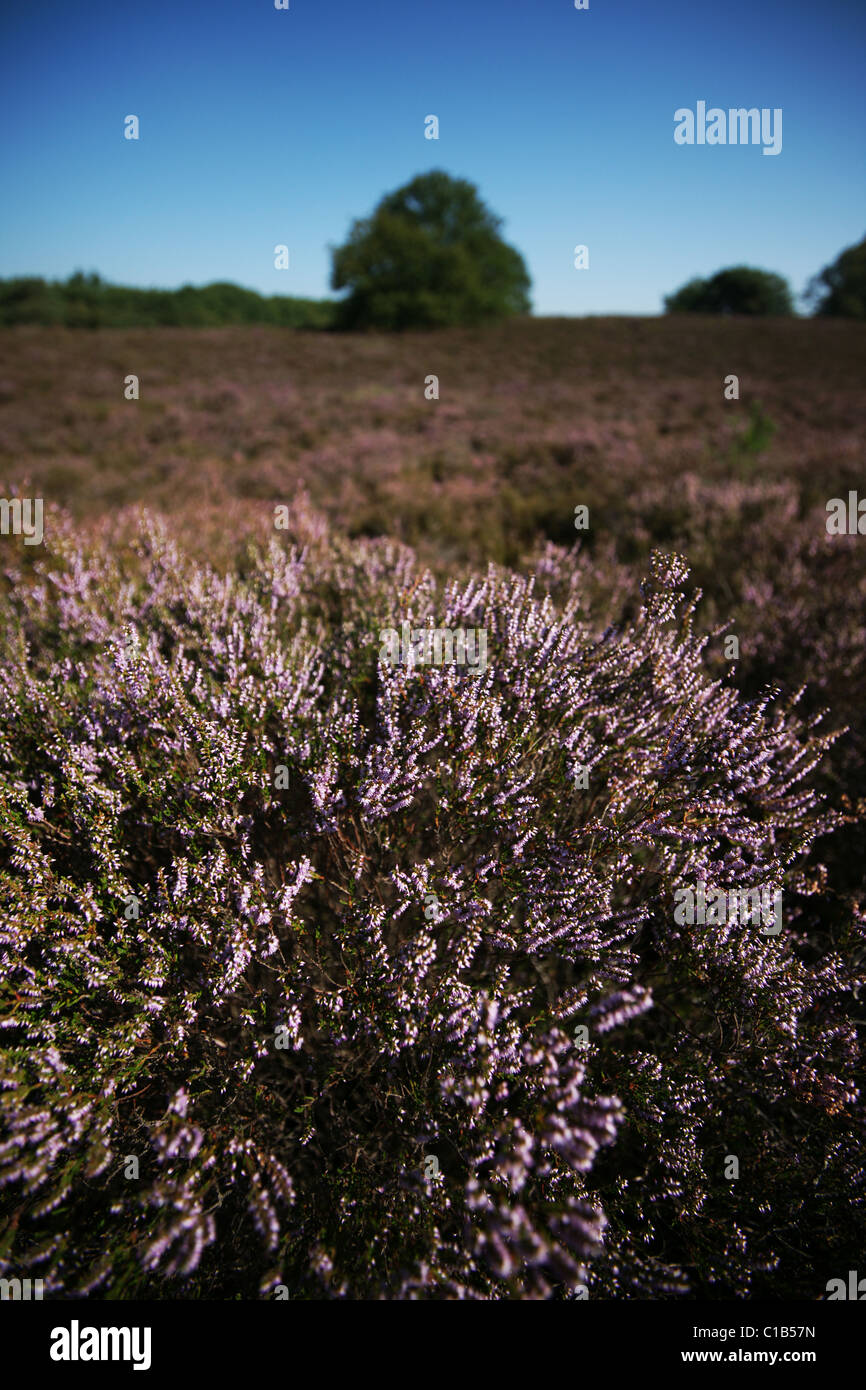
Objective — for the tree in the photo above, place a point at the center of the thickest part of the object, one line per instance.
(738, 290)
(430, 255)
(839, 290)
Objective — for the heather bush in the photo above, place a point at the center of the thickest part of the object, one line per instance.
(284, 923)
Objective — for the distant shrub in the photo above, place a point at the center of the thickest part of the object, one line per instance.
(740, 290)
(239, 979)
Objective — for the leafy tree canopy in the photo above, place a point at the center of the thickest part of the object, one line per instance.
(738, 290)
(840, 289)
(430, 255)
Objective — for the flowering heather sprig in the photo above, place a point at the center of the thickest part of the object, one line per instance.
(281, 1034)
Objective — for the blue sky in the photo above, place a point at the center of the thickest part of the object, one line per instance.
(261, 127)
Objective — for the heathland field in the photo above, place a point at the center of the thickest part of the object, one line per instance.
(327, 978)
(626, 416)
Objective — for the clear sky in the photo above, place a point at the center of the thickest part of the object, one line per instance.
(261, 126)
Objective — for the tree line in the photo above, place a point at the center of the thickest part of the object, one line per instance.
(88, 301)
(430, 255)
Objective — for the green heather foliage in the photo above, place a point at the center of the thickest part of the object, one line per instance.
(146, 703)
(86, 301)
(839, 290)
(740, 290)
(429, 256)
